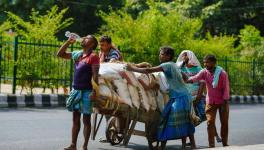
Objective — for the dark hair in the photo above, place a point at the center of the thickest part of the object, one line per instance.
(106, 38)
(211, 58)
(95, 42)
(168, 51)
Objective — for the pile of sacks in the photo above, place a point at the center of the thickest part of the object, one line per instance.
(147, 91)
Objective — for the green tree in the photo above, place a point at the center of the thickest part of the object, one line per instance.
(223, 16)
(23, 7)
(157, 26)
(36, 59)
(40, 26)
(5, 27)
(83, 12)
(251, 51)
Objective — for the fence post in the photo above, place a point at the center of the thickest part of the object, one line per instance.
(253, 75)
(71, 69)
(15, 65)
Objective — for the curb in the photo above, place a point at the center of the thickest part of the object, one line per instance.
(55, 100)
(253, 99)
(36, 100)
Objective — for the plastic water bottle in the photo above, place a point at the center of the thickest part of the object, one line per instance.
(73, 36)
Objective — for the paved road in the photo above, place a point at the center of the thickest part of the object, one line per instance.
(49, 129)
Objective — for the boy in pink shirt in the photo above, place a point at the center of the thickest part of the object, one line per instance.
(217, 85)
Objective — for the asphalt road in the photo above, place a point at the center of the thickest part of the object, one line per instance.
(49, 129)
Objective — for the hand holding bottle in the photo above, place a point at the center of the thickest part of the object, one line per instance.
(72, 37)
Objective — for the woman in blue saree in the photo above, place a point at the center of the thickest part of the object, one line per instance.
(175, 122)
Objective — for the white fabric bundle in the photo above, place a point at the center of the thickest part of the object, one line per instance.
(111, 70)
(133, 89)
(164, 86)
(101, 80)
(130, 77)
(152, 99)
(105, 90)
(143, 79)
(144, 98)
(146, 80)
(134, 93)
(122, 91)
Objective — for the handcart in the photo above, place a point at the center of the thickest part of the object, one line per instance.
(131, 116)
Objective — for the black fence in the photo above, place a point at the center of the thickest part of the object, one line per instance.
(33, 64)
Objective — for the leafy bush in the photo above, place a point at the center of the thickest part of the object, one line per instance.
(39, 27)
(37, 64)
(252, 47)
(158, 26)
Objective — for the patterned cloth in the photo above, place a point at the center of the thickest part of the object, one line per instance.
(113, 54)
(79, 100)
(175, 122)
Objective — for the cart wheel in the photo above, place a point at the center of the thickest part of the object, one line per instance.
(151, 131)
(112, 134)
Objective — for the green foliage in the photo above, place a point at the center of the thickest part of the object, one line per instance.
(223, 16)
(150, 30)
(252, 48)
(38, 65)
(220, 46)
(23, 7)
(250, 37)
(40, 26)
(252, 43)
(139, 27)
(37, 62)
(5, 26)
(158, 26)
(218, 16)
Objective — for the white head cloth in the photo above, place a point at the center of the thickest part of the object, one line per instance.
(192, 59)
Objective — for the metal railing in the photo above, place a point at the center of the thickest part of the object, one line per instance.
(31, 64)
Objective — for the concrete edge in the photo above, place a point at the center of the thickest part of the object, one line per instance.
(36, 100)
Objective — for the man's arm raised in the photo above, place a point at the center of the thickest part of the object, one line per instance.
(62, 51)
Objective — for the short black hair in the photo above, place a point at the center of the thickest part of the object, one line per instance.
(211, 58)
(168, 51)
(94, 41)
(106, 38)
